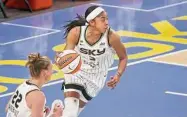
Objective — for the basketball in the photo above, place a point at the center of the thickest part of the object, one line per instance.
(69, 61)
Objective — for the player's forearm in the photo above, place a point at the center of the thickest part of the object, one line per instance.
(69, 47)
(121, 66)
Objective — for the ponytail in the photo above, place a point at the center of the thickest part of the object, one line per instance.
(80, 21)
(36, 63)
(90, 14)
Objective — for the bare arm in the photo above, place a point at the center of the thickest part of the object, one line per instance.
(72, 38)
(36, 102)
(114, 41)
(120, 50)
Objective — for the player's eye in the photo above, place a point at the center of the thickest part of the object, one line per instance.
(103, 19)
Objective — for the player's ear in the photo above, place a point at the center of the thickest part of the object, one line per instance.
(43, 73)
(92, 23)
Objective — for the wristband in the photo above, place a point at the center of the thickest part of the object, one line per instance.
(118, 74)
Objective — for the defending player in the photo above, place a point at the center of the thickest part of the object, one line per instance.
(28, 99)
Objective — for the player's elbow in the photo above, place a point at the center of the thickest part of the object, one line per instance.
(124, 57)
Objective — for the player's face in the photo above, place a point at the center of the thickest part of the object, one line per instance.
(101, 22)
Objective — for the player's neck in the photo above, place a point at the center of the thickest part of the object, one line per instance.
(93, 31)
(39, 83)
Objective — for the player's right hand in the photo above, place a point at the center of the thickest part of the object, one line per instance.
(57, 55)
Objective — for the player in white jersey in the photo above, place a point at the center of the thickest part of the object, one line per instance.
(28, 100)
(93, 39)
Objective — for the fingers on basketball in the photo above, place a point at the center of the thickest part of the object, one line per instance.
(69, 61)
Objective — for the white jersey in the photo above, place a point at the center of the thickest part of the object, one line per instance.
(17, 107)
(96, 60)
(97, 57)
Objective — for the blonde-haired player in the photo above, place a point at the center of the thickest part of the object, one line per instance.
(28, 100)
(97, 43)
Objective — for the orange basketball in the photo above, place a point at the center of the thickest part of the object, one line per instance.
(69, 61)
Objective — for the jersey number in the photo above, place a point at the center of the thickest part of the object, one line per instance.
(92, 58)
(17, 99)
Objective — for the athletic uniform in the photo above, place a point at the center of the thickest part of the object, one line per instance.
(17, 107)
(96, 60)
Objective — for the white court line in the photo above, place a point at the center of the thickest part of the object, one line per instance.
(111, 69)
(28, 38)
(144, 10)
(120, 7)
(127, 8)
(176, 93)
(169, 63)
(150, 59)
(168, 6)
(26, 26)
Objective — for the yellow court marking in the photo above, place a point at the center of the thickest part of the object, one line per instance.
(3, 89)
(166, 33)
(21, 63)
(180, 18)
(179, 59)
(155, 49)
(155, 37)
(165, 28)
(59, 47)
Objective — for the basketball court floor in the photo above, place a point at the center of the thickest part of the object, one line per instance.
(155, 35)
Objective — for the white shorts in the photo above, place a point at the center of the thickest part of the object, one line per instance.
(89, 84)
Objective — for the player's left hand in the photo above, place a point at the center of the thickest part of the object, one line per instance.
(114, 80)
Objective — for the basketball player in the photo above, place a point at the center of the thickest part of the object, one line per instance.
(28, 99)
(96, 42)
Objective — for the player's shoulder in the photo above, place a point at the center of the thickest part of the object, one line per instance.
(113, 36)
(40, 94)
(112, 33)
(74, 34)
(75, 31)
(32, 95)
